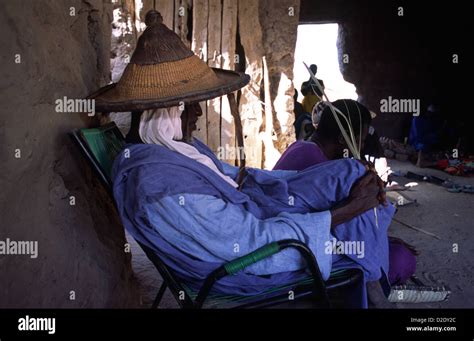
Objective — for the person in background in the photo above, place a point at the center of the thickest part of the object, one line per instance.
(425, 135)
(327, 143)
(302, 118)
(312, 94)
(298, 107)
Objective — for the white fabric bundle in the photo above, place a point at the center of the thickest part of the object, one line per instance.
(163, 127)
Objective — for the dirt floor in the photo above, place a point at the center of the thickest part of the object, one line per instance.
(450, 216)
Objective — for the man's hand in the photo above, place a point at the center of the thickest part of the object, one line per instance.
(370, 167)
(366, 191)
(365, 194)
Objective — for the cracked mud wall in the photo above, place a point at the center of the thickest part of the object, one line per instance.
(279, 20)
(49, 194)
(268, 36)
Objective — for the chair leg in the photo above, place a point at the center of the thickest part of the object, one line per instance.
(159, 296)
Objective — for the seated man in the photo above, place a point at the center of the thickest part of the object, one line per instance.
(425, 135)
(327, 143)
(177, 198)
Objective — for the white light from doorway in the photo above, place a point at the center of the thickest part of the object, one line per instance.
(317, 44)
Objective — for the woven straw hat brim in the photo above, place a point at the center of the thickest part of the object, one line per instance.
(164, 72)
(113, 99)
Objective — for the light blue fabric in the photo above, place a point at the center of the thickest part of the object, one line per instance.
(229, 170)
(217, 231)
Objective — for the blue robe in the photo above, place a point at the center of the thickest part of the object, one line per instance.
(195, 221)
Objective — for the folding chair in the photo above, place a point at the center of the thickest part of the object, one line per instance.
(101, 145)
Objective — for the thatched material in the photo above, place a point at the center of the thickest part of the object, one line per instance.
(163, 72)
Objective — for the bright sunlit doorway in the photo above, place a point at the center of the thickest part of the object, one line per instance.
(317, 44)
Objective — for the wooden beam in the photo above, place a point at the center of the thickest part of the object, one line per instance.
(250, 107)
(214, 28)
(181, 8)
(271, 153)
(228, 46)
(166, 8)
(234, 110)
(199, 47)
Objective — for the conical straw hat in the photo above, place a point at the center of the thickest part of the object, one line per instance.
(163, 72)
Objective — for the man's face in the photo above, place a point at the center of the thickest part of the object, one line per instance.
(189, 119)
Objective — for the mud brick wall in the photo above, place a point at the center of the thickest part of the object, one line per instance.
(52, 49)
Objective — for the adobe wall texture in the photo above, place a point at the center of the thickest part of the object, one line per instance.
(81, 260)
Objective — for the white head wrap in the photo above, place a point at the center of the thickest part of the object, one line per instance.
(163, 127)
